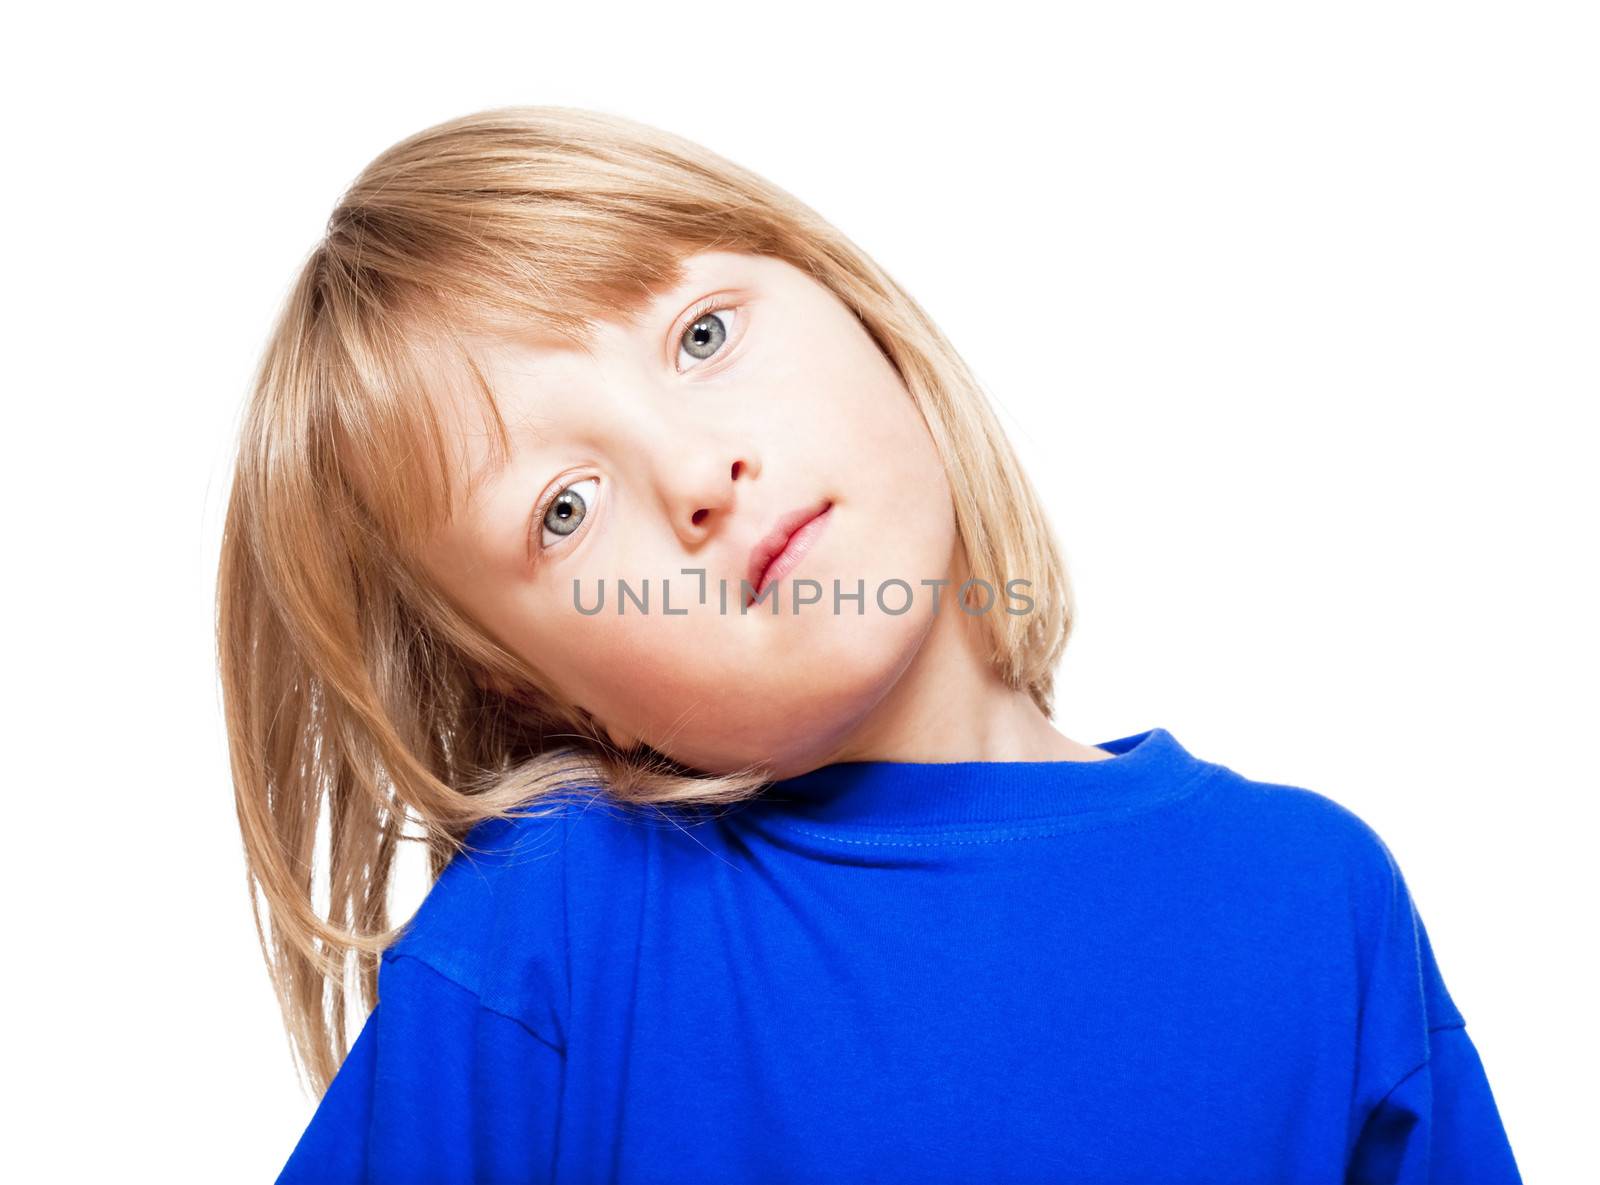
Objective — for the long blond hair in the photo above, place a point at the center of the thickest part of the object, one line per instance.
(356, 694)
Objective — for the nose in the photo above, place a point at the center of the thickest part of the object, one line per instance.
(700, 484)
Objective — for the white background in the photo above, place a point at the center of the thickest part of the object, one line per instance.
(1291, 309)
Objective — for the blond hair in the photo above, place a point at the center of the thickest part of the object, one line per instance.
(354, 691)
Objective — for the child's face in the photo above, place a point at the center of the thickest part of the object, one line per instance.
(684, 446)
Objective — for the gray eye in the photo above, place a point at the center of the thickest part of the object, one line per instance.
(707, 335)
(569, 508)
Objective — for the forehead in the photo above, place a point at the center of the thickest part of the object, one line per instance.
(644, 302)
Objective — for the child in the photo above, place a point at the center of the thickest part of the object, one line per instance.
(609, 519)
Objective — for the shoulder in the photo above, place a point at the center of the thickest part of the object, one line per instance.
(1327, 878)
(1306, 840)
(1342, 889)
(495, 921)
(1295, 812)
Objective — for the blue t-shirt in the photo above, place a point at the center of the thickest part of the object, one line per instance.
(1142, 969)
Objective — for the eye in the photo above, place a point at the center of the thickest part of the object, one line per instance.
(709, 328)
(564, 513)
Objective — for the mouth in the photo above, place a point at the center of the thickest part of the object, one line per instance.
(783, 547)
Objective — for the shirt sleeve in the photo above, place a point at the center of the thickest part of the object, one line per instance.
(1424, 1111)
(437, 1088)
(1438, 1124)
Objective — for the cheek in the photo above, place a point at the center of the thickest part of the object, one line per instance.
(880, 427)
(626, 666)
(902, 488)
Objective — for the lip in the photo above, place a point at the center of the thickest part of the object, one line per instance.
(781, 548)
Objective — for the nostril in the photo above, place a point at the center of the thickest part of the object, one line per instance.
(700, 516)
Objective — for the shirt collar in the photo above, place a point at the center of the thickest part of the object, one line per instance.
(1146, 767)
